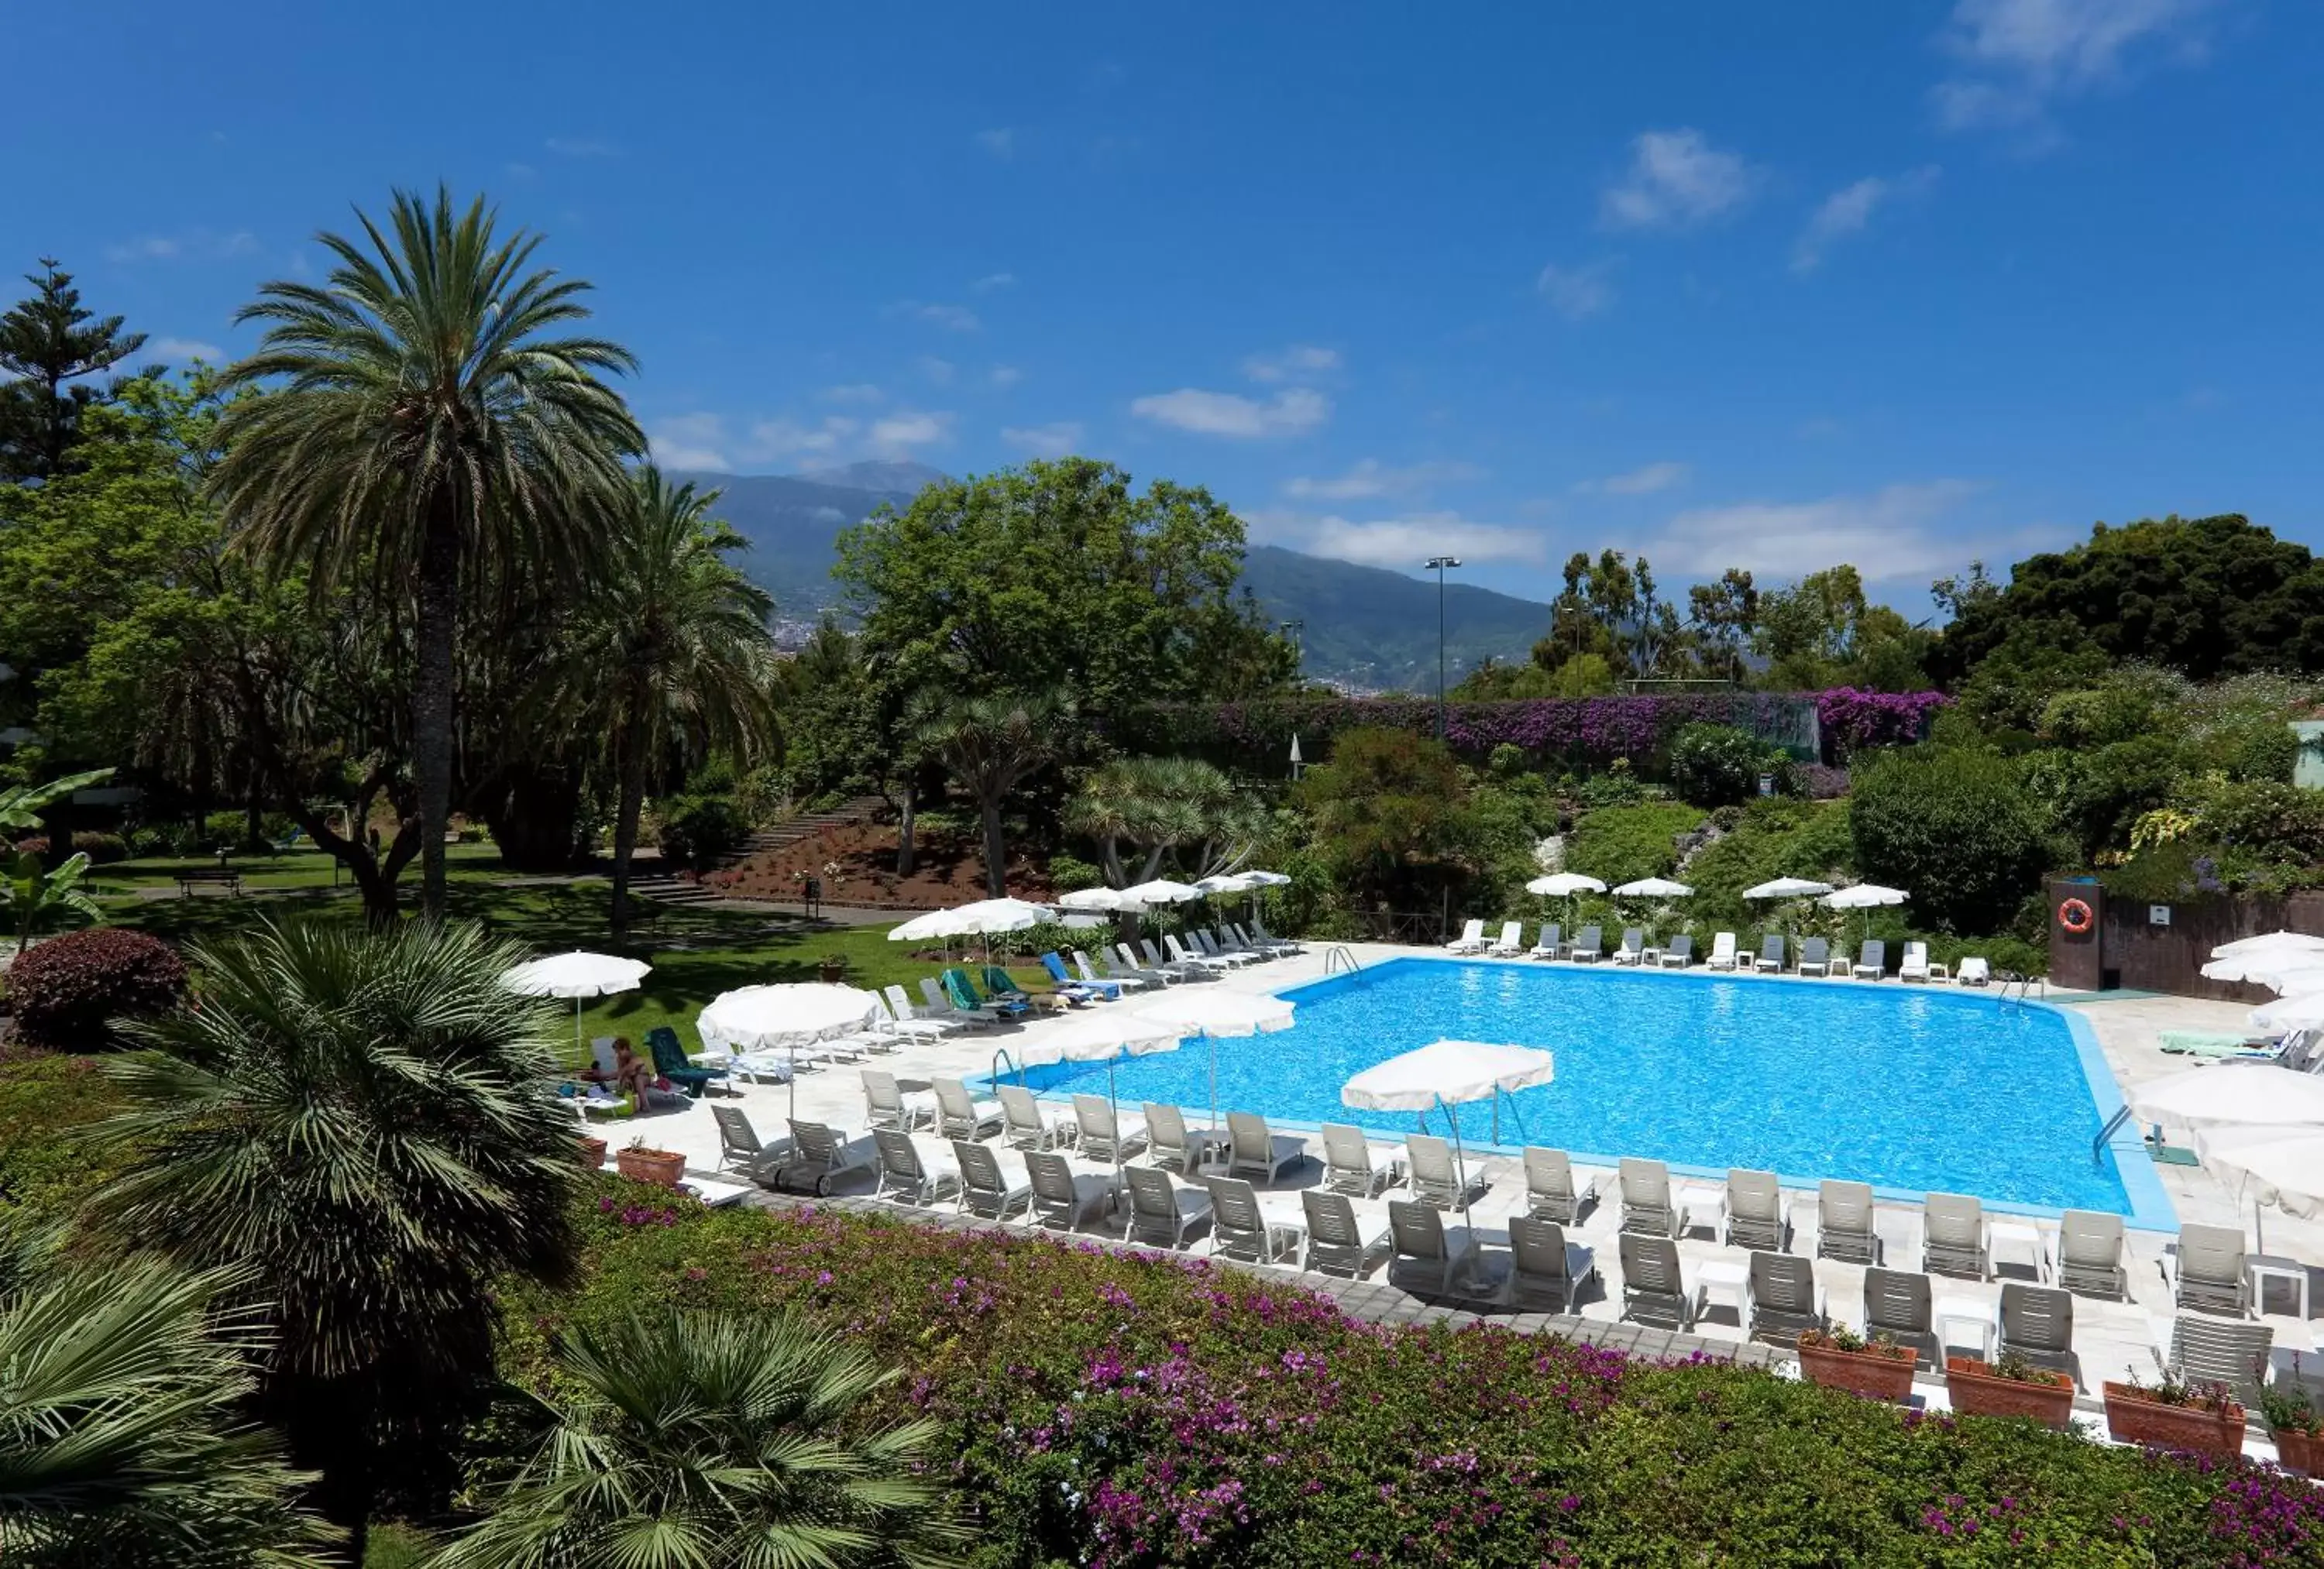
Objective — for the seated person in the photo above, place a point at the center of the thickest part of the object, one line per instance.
(632, 1075)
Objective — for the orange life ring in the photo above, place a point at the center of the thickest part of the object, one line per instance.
(2076, 916)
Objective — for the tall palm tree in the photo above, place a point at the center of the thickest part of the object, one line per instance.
(423, 422)
(670, 652)
(991, 744)
(367, 1124)
(120, 1440)
(711, 1439)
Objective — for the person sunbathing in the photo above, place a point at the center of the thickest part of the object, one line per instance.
(631, 1075)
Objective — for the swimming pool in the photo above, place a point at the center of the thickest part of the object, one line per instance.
(1909, 1088)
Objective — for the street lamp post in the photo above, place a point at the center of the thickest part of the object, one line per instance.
(1292, 630)
(1437, 564)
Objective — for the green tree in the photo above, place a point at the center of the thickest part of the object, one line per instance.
(365, 1125)
(425, 427)
(1955, 828)
(1386, 811)
(1722, 621)
(695, 1439)
(1156, 806)
(33, 897)
(122, 1441)
(992, 744)
(2206, 596)
(47, 341)
(669, 658)
(1054, 577)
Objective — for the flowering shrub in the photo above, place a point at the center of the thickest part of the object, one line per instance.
(1594, 729)
(66, 991)
(1128, 1410)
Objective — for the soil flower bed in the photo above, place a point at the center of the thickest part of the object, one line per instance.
(1116, 1410)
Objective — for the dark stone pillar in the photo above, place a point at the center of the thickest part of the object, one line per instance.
(2077, 960)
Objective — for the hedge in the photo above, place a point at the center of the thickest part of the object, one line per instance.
(1590, 730)
(67, 991)
(1123, 1411)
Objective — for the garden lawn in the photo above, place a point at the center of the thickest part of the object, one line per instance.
(1120, 1410)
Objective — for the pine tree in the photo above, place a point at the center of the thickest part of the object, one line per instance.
(46, 341)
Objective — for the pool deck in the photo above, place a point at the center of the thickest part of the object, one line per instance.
(2112, 1340)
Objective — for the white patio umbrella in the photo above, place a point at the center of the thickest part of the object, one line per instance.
(1564, 886)
(786, 1017)
(2303, 1012)
(576, 974)
(1226, 882)
(2270, 942)
(2279, 1163)
(1652, 888)
(1444, 1074)
(987, 916)
(1787, 888)
(2278, 969)
(2252, 1092)
(1099, 899)
(1106, 1036)
(1162, 890)
(1217, 1014)
(1864, 896)
(1262, 879)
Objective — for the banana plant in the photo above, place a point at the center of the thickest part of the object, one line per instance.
(34, 896)
(20, 804)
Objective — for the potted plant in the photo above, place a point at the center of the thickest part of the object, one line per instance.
(593, 1152)
(2173, 1414)
(1840, 1358)
(831, 969)
(641, 1163)
(2012, 1387)
(2294, 1423)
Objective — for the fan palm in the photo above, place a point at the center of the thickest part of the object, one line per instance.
(367, 1124)
(711, 1439)
(120, 1440)
(991, 744)
(426, 424)
(670, 653)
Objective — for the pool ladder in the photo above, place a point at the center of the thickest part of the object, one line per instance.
(2019, 989)
(1337, 959)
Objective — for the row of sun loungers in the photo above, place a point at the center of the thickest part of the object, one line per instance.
(1637, 947)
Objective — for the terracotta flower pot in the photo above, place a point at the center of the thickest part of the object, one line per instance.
(2133, 1416)
(1881, 1376)
(831, 975)
(593, 1154)
(662, 1166)
(1977, 1390)
(2300, 1451)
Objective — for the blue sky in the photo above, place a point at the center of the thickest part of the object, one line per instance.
(1771, 286)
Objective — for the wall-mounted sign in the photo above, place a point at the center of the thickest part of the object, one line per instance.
(2158, 915)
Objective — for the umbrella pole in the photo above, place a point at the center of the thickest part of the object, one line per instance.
(1214, 1080)
(1460, 1159)
(793, 1082)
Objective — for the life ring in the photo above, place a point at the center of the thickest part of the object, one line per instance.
(2076, 916)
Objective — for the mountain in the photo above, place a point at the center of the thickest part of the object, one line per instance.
(1369, 628)
(1376, 630)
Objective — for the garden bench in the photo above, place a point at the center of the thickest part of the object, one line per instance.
(226, 877)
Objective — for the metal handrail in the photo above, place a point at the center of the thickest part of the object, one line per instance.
(1336, 957)
(999, 1056)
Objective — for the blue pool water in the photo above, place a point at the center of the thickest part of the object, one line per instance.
(1904, 1087)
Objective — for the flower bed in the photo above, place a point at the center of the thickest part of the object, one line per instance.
(1122, 1410)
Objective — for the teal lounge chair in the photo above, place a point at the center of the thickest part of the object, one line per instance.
(669, 1061)
(965, 995)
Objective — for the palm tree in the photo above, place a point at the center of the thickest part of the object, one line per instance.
(710, 1439)
(670, 653)
(991, 744)
(424, 426)
(120, 1438)
(364, 1124)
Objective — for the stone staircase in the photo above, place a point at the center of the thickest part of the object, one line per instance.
(670, 888)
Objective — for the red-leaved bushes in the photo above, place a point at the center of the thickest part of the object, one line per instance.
(67, 991)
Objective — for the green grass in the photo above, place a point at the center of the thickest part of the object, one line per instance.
(306, 867)
(695, 954)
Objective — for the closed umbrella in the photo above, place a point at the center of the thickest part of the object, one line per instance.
(1216, 1013)
(786, 1017)
(1262, 879)
(576, 974)
(1444, 1074)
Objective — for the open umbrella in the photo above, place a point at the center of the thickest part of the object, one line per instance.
(2280, 969)
(576, 974)
(1098, 899)
(1787, 888)
(2282, 1163)
(1564, 886)
(1162, 890)
(2279, 943)
(784, 1017)
(2303, 1012)
(1444, 1074)
(1652, 888)
(2233, 1092)
(1215, 1014)
(1225, 883)
(1864, 896)
(1106, 1036)
(1259, 879)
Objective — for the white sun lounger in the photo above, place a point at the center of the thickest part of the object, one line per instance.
(1722, 952)
(1471, 940)
(1511, 944)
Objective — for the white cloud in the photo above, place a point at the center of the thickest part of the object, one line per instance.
(939, 371)
(689, 441)
(1299, 363)
(1897, 531)
(192, 245)
(2021, 53)
(992, 281)
(1677, 180)
(1004, 377)
(851, 392)
(1044, 440)
(956, 318)
(771, 439)
(1639, 481)
(1001, 141)
(1575, 292)
(1289, 412)
(178, 350)
(708, 441)
(908, 429)
(1371, 478)
(520, 170)
(1403, 542)
(581, 147)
